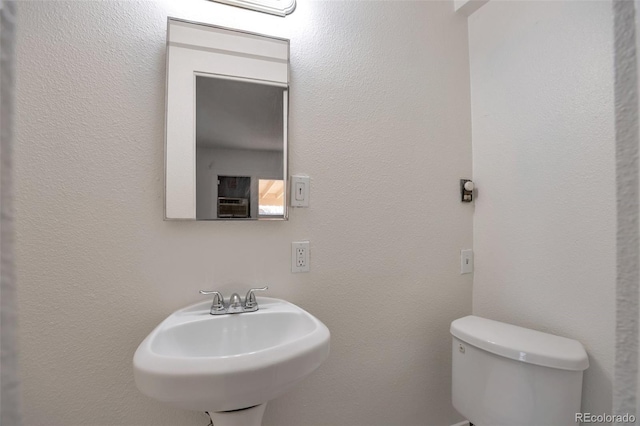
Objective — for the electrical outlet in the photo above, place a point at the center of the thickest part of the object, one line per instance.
(300, 256)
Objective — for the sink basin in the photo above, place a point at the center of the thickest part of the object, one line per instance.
(197, 361)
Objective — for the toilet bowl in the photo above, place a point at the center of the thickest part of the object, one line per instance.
(504, 375)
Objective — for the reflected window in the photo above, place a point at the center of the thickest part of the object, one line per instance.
(271, 197)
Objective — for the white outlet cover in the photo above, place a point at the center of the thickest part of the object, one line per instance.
(300, 256)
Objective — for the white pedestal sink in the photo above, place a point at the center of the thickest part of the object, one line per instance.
(230, 365)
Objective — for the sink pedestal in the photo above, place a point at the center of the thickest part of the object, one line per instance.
(247, 417)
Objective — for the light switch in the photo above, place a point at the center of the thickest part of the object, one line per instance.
(300, 191)
(466, 261)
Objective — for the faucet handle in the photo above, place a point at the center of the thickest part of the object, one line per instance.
(250, 303)
(217, 307)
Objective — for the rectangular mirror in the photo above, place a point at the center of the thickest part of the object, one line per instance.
(226, 126)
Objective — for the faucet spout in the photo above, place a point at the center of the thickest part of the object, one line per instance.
(235, 304)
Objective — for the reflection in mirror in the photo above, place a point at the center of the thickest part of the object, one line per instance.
(271, 197)
(240, 148)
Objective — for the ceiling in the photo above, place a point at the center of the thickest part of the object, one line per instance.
(238, 115)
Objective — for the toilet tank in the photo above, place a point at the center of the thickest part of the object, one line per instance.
(504, 375)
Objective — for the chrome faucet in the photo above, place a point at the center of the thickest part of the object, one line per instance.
(235, 305)
(217, 307)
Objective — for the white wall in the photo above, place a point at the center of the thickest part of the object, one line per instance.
(544, 163)
(379, 110)
(214, 162)
(627, 376)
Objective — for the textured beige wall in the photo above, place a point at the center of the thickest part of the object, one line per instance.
(379, 111)
(626, 381)
(544, 162)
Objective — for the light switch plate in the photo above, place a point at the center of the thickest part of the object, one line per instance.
(466, 261)
(300, 189)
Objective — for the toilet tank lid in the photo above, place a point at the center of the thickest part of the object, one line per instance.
(521, 344)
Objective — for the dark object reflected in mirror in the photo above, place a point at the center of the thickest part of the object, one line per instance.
(240, 148)
(234, 195)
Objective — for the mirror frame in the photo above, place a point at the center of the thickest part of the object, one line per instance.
(272, 68)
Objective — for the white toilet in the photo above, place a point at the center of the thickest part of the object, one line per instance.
(504, 375)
